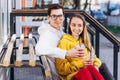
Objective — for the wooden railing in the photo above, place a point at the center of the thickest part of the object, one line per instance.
(11, 56)
(10, 49)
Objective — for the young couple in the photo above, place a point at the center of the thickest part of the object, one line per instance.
(71, 60)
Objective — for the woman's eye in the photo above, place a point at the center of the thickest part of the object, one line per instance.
(73, 25)
(80, 25)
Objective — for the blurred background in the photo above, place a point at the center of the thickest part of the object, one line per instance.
(106, 12)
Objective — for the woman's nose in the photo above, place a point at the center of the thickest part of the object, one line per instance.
(77, 27)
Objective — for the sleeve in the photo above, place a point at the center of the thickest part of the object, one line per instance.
(47, 45)
(65, 67)
(97, 62)
(68, 65)
(63, 44)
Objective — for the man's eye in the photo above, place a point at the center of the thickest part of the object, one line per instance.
(60, 15)
(53, 16)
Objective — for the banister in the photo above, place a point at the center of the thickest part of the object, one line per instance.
(103, 30)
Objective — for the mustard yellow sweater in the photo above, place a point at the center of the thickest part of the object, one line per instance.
(68, 67)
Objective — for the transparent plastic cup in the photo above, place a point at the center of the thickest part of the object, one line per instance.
(82, 46)
(87, 56)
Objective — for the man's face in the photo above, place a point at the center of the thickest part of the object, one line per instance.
(56, 18)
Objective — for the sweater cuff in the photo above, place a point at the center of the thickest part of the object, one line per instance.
(63, 54)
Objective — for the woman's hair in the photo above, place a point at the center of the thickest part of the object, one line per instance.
(54, 6)
(84, 34)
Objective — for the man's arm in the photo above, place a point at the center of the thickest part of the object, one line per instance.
(47, 45)
(75, 52)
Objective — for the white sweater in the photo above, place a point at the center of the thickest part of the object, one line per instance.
(48, 41)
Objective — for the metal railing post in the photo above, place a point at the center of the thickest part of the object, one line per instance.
(115, 57)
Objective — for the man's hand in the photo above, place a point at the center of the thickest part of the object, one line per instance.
(75, 52)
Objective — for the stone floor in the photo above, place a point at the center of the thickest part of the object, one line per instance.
(28, 74)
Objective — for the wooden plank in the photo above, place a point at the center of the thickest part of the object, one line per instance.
(32, 60)
(43, 11)
(22, 66)
(46, 66)
(6, 60)
(18, 61)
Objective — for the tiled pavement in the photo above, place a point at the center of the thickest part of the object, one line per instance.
(28, 73)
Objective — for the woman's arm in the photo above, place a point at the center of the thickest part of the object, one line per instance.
(65, 66)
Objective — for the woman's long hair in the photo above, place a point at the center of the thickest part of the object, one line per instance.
(84, 34)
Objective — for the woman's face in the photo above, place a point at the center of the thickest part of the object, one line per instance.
(76, 27)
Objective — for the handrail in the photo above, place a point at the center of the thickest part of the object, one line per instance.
(116, 43)
(98, 29)
(102, 28)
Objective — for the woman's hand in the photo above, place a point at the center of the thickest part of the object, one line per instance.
(88, 62)
(96, 68)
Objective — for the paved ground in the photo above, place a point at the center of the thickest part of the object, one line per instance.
(31, 73)
(28, 74)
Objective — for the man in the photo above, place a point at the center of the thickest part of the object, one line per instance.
(50, 34)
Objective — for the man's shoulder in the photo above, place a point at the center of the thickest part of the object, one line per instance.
(43, 28)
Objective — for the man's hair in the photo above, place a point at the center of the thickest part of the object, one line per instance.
(54, 6)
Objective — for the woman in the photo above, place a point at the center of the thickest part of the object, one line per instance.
(85, 68)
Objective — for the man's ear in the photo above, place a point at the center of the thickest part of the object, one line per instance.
(48, 17)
